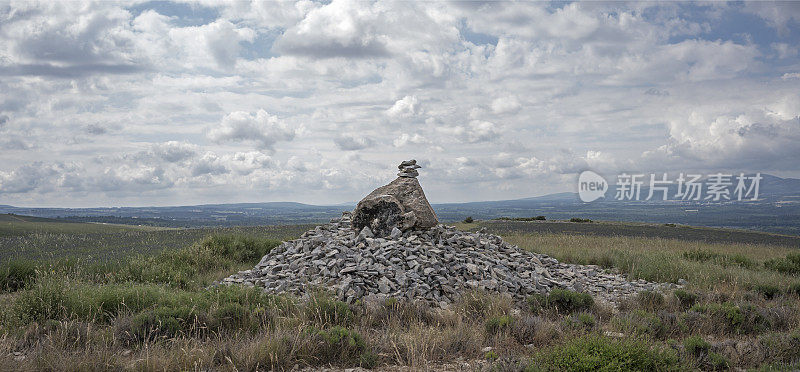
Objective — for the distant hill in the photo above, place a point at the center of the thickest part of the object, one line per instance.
(17, 218)
(777, 210)
(559, 197)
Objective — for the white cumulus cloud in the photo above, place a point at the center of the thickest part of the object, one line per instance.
(262, 129)
(506, 105)
(474, 132)
(353, 142)
(406, 107)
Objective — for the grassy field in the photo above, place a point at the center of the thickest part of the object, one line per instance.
(645, 230)
(16, 225)
(151, 308)
(44, 239)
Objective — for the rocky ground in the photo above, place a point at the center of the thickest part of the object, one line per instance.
(435, 265)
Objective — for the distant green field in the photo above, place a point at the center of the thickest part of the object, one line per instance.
(16, 225)
(46, 239)
(637, 229)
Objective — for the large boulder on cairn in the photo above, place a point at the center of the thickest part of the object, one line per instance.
(401, 204)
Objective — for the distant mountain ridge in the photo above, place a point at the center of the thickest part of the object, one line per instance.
(777, 210)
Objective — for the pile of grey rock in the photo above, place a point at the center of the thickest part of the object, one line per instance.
(436, 265)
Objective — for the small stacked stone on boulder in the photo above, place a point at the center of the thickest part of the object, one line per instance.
(408, 169)
(393, 246)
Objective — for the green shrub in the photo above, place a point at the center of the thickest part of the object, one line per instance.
(522, 219)
(741, 319)
(469, 220)
(696, 345)
(587, 319)
(238, 248)
(184, 268)
(368, 360)
(52, 299)
(582, 320)
(784, 346)
(650, 300)
(235, 308)
(718, 362)
(795, 288)
(478, 305)
(231, 316)
(248, 297)
(562, 300)
(322, 310)
(105, 302)
(642, 322)
(338, 345)
(498, 324)
(16, 275)
(728, 312)
(742, 261)
(704, 255)
(769, 291)
(45, 300)
(528, 219)
(528, 328)
(314, 346)
(163, 322)
(536, 302)
(686, 299)
(701, 255)
(754, 321)
(393, 312)
(279, 353)
(490, 356)
(597, 353)
(789, 265)
(338, 335)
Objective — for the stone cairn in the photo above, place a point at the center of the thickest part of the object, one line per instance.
(392, 245)
(408, 169)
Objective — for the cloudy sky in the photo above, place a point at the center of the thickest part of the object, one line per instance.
(169, 103)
